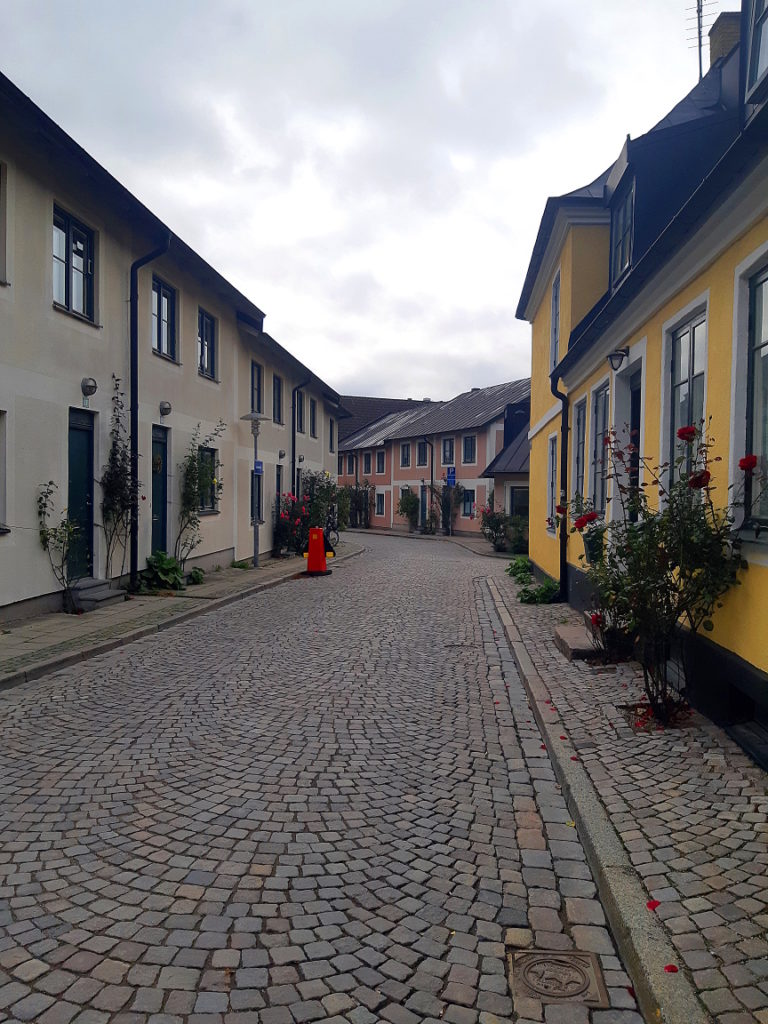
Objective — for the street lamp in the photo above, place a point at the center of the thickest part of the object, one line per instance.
(255, 419)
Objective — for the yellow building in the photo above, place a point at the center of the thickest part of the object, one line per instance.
(661, 264)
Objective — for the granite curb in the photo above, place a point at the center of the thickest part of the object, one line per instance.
(639, 935)
(45, 666)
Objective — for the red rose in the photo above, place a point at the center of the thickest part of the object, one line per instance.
(580, 523)
(700, 479)
(590, 517)
(687, 434)
(560, 509)
(597, 619)
(748, 463)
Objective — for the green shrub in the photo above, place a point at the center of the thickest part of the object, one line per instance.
(408, 508)
(519, 569)
(197, 576)
(544, 593)
(163, 572)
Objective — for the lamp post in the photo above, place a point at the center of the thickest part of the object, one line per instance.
(255, 419)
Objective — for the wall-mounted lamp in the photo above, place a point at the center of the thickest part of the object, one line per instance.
(88, 386)
(617, 357)
(301, 458)
(165, 408)
(281, 453)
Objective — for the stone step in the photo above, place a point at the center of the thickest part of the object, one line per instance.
(90, 594)
(574, 642)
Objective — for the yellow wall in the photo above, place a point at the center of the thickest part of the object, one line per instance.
(583, 265)
(739, 626)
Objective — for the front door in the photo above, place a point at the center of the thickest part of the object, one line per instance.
(80, 493)
(159, 489)
(635, 405)
(423, 505)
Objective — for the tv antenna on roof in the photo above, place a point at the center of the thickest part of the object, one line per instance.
(703, 11)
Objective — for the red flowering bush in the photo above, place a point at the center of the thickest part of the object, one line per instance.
(748, 463)
(667, 564)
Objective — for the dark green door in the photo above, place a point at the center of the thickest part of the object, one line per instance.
(80, 493)
(159, 489)
(423, 505)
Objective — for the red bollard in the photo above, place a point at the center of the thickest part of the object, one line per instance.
(316, 554)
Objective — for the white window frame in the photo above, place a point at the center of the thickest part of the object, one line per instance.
(464, 439)
(581, 404)
(405, 446)
(380, 501)
(551, 481)
(473, 505)
(554, 321)
(604, 384)
(453, 451)
(754, 551)
(698, 305)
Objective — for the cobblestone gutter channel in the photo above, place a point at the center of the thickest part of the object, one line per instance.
(677, 817)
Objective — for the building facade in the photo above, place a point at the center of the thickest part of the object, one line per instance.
(420, 448)
(95, 289)
(661, 263)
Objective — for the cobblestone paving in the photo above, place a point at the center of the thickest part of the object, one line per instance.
(692, 811)
(328, 802)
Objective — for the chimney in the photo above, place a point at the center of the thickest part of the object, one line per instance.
(724, 35)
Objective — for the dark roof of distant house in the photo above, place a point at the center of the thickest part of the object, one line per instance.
(472, 409)
(19, 113)
(512, 459)
(364, 410)
(704, 122)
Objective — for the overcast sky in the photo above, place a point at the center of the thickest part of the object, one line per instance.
(371, 173)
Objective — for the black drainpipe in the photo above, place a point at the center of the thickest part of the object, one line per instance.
(134, 403)
(563, 595)
(293, 431)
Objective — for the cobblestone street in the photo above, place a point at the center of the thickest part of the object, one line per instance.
(326, 802)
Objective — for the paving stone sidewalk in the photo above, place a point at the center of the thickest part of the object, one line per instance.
(691, 810)
(40, 644)
(329, 801)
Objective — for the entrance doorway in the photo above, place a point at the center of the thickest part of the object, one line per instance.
(159, 489)
(635, 410)
(80, 493)
(423, 505)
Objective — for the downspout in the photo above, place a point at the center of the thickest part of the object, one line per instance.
(431, 473)
(293, 430)
(134, 403)
(563, 595)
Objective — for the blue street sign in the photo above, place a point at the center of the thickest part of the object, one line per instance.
(258, 467)
(450, 476)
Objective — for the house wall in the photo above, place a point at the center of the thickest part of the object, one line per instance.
(708, 274)
(46, 352)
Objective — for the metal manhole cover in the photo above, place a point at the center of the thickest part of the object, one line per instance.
(555, 977)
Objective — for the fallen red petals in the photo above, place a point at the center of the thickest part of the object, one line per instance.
(652, 904)
(574, 758)
(670, 969)
(563, 737)
(631, 991)
(543, 747)
(495, 702)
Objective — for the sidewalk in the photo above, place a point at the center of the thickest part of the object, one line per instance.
(33, 647)
(674, 822)
(477, 545)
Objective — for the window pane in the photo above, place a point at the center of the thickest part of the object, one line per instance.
(699, 341)
(59, 282)
(760, 426)
(697, 400)
(680, 356)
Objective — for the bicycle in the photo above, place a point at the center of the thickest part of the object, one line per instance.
(332, 528)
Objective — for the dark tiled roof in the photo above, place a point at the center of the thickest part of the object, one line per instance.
(471, 409)
(364, 411)
(514, 458)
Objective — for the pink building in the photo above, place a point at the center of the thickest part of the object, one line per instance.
(430, 443)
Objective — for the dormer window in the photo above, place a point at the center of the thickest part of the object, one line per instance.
(757, 71)
(621, 235)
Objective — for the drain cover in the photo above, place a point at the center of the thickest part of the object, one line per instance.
(555, 977)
